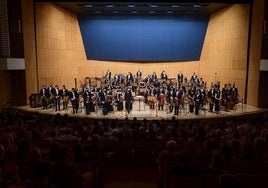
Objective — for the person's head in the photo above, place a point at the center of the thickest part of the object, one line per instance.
(171, 145)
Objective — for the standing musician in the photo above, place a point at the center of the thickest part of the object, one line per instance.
(161, 97)
(88, 101)
(65, 97)
(211, 98)
(170, 97)
(119, 100)
(164, 76)
(217, 100)
(75, 100)
(191, 95)
(180, 77)
(128, 100)
(197, 101)
(138, 74)
(57, 97)
(44, 96)
(50, 91)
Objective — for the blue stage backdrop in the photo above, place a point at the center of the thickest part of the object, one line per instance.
(143, 38)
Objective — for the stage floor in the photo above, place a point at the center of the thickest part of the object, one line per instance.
(141, 110)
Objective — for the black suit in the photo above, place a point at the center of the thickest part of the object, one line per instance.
(128, 99)
(44, 97)
(75, 101)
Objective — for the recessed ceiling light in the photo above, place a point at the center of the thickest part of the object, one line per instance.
(109, 6)
(169, 11)
(97, 12)
(153, 6)
(151, 12)
(196, 6)
(115, 12)
(134, 12)
(175, 6)
(88, 6)
(131, 6)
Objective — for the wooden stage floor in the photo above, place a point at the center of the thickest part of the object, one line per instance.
(141, 110)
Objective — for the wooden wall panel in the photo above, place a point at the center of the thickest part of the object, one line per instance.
(224, 52)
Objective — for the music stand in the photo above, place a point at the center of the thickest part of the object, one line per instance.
(139, 97)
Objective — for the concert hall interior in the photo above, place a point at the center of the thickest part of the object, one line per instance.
(124, 66)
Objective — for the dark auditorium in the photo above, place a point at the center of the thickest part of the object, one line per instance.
(133, 94)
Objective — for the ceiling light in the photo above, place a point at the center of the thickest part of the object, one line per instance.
(196, 6)
(131, 6)
(175, 6)
(134, 12)
(88, 6)
(169, 11)
(97, 12)
(109, 6)
(151, 12)
(153, 6)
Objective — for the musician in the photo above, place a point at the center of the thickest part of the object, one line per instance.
(154, 77)
(180, 77)
(129, 77)
(170, 96)
(191, 96)
(197, 101)
(57, 97)
(211, 98)
(108, 76)
(138, 74)
(119, 100)
(234, 93)
(128, 100)
(88, 101)
(204, 95)
(164, 76)
(217, 100)
(193, 78)
(65, 97)
(44, 96)
(176, 102)
(50, 91)
(108, 103)
(75, 100)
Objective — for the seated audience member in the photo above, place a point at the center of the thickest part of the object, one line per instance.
(170, 153)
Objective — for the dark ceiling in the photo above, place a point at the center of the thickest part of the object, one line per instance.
(141, 8)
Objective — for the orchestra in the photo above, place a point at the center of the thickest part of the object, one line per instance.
(175, 93)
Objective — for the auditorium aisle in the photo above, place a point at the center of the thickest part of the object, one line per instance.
(130, 177)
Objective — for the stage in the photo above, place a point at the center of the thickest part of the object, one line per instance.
(141, 111)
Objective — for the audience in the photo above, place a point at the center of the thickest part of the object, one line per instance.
(39, 147)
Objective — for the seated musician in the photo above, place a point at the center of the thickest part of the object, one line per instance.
(75, 100)
(44, 96)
